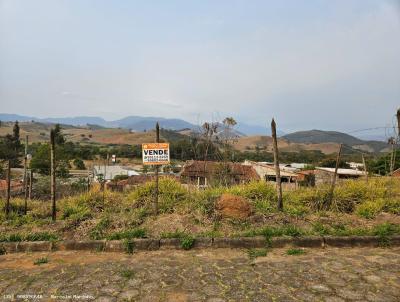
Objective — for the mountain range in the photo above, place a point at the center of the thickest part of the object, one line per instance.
(137, 123)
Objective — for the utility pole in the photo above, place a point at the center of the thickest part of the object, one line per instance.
(156, 191)
(26, 176)
(365, 168)
(330, 195)
(277, 169)
(53, 174)
(8, 189)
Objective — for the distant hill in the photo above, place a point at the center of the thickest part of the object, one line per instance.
(137, 123)
(320, 136)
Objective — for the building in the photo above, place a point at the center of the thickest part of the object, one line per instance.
(356, 166)
(109, 172)
(16, 187)
(202, 173)
(267, 172)
(396, 173)
(325, 175)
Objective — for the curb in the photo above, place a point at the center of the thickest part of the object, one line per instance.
(200, 243)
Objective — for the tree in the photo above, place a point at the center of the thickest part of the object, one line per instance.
(79, 164)
(10, 147)
(41, 158)
(331, 163)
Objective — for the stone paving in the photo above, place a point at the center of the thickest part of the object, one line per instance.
(334, 275)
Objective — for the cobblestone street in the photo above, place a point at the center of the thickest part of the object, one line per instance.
(359, 274)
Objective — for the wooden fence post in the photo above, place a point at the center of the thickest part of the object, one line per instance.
(277, 169)
(156, 191)
(26, 176)
(53, 175)
(365, 168)
(8, 188)
(331, 191)
(30, 184)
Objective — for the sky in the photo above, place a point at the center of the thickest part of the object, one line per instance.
(311, 64)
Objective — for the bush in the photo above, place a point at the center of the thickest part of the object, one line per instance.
(171, 195)
(187, 242)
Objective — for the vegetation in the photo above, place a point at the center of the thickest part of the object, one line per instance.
(186, 214)
(254, 253)
(294, 252)
(127, 273)
(41, 261)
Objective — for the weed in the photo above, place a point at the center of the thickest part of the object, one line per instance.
(41, 236)
(254, 253)
(187, 242)
(97, 232)
(40, 261)
(321, 229)
(2, 250)
(294, 252)
(127, 273)
(129, 246)
(384, 230)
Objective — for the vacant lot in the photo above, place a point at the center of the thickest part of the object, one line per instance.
(358, 208)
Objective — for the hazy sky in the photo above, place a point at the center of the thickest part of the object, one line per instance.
(311, 64)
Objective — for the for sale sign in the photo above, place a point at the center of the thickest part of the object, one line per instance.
(155, 154)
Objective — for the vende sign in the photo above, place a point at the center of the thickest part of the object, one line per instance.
(155, 154)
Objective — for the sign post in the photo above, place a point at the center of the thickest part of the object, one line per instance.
(156, 154)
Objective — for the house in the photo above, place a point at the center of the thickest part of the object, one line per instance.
(325, 175)
(16, 187)
(355, 166)
(396, 173)
(267, 172)
(202, 173)
(109, 172)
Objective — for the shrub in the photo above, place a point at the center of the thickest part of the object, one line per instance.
(187, 241)
(129, 246)
(171, 195)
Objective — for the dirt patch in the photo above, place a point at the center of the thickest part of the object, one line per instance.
(232, 206)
